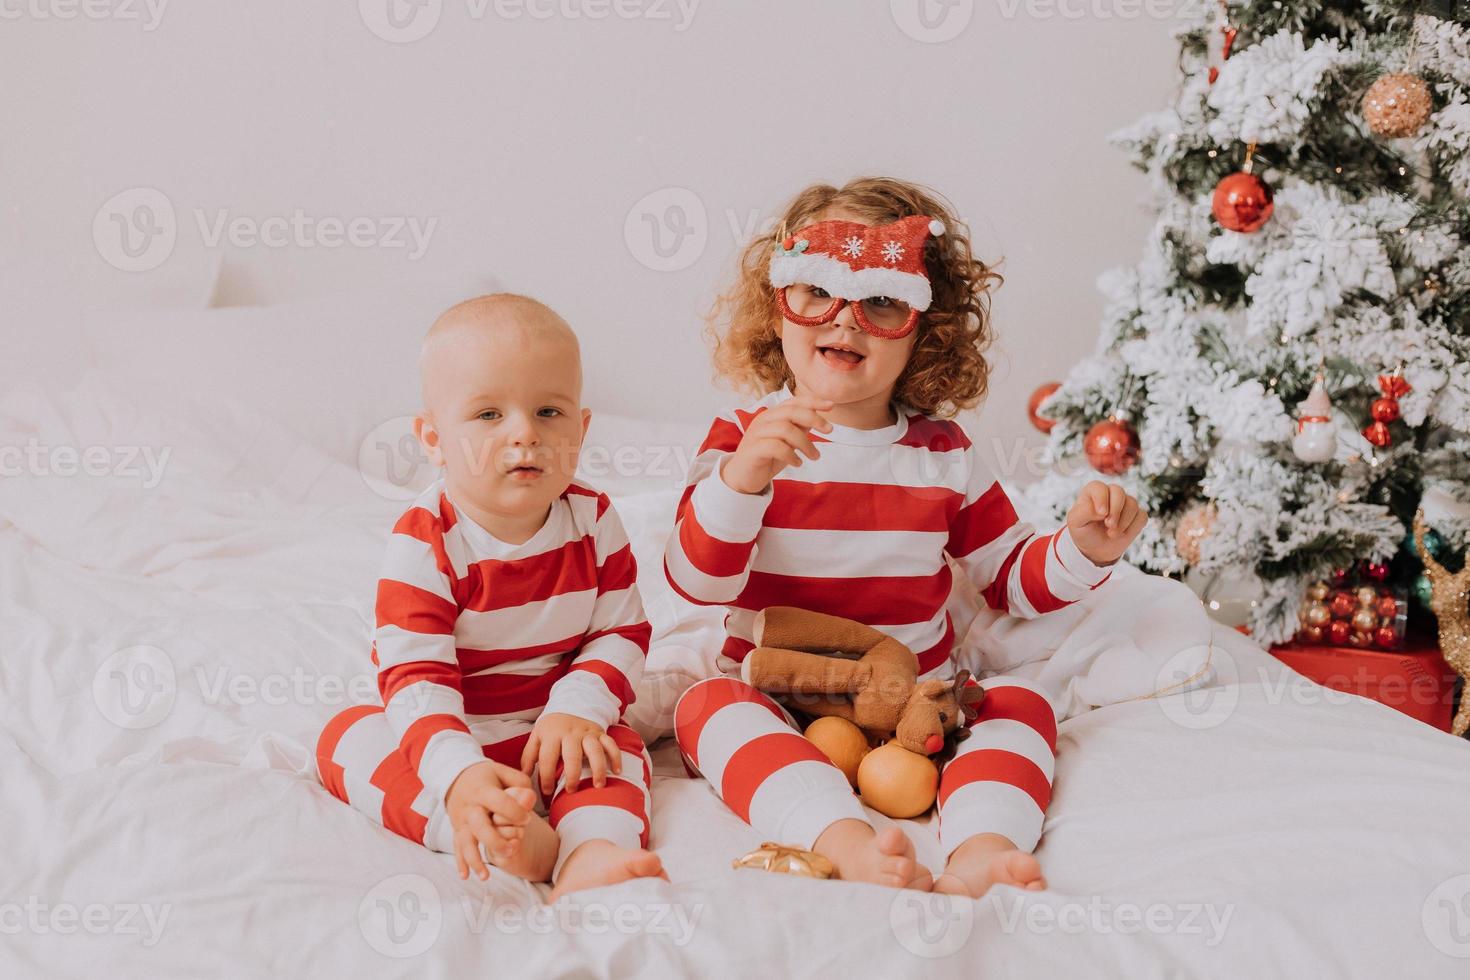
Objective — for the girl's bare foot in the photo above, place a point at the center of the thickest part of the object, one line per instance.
(862, 854)
(534, 853)
(985, 860)
(601, 862)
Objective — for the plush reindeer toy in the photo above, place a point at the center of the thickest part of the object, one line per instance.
(830, 666)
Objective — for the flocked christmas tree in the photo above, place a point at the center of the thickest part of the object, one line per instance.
(1313, 191)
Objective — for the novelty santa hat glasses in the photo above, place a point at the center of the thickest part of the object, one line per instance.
(878, 269)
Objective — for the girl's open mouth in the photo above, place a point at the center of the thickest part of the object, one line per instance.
(841, 358)
(525, 472)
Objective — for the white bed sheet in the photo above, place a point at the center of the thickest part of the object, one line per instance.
(1259, 828)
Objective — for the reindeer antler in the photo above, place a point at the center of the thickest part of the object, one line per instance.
(968, 695)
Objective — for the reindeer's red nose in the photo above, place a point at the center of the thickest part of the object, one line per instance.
(933, 743)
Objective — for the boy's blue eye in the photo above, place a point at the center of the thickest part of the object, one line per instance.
(548, 412)
(489, 415)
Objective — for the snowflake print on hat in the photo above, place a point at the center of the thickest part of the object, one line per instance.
(892, 252)
(853, 246)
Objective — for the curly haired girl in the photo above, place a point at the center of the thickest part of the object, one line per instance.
(847, 489)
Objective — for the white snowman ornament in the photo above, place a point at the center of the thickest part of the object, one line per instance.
(1316, 432)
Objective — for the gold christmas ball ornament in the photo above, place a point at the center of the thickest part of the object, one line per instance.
(1318, 591)
(1317, 614)
(784, 860)
(1397, 105)
(1367, 596)
(1194, 527)
(1365, 620)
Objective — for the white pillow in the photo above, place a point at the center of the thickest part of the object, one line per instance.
(45, 300)
(330, 369)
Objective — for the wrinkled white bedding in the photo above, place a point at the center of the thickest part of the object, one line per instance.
(172, 646)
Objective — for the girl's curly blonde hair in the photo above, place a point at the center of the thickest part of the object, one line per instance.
(946, 371)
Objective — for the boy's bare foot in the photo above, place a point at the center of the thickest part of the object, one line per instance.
(985, 860)
(601, 862)
(862, 854)
(534, 855)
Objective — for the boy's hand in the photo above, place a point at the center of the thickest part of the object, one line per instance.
(773, 442)
(484, 789)
(572, 739)
(1104, 521)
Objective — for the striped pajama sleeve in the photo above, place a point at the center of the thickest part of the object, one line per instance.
(419, 675)
(710, 553)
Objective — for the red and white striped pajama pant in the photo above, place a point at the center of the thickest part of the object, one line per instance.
(361, 762)
(748, 748)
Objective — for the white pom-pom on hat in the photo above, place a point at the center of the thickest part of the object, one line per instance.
(936, 227)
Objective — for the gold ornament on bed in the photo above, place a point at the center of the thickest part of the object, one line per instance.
(1450, 601)
(775, 857)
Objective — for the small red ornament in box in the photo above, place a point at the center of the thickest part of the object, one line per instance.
(1355, 610)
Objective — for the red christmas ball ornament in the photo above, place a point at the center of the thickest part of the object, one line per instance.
(1343, 605)
(1376, 571)
(1339, 576)
(1385, 638)
(1038, 396)
(1242, 202)
(1111, 446)
(1338, 631)
(1385, 410)
(1378, 434)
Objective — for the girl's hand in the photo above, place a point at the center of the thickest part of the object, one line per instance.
(476, 794)
(776, 439)
(1104, 521)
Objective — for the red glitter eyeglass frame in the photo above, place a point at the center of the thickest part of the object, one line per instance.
(838, 302)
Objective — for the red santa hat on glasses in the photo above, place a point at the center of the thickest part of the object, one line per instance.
(855, 261)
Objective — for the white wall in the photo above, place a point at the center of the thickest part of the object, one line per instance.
(530, 141)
